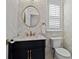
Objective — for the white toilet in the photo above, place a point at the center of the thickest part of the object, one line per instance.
(60, 52)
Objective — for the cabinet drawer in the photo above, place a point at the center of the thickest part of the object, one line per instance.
(30, 44)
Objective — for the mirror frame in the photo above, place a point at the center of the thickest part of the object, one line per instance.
(23, 19)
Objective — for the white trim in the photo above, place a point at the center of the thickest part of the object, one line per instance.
(57, 30)
(61, 20)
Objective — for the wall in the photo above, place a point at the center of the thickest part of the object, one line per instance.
(14, 23)
(11, 17)
(68, 24)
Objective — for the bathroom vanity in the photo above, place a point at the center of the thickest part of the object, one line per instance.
(33, 49)
(29, 44)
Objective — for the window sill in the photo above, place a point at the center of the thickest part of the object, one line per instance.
(50, 30)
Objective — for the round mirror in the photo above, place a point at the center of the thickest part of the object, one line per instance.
(31, 16)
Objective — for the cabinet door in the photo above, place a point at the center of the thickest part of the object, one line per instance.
(18, 52)
(38, 53)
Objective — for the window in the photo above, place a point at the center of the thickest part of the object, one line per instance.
(54, 20)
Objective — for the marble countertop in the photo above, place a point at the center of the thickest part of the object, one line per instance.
(29, 38)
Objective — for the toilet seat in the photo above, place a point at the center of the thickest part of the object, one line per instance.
(62, 52)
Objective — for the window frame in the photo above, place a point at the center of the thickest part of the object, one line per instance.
(61, 17)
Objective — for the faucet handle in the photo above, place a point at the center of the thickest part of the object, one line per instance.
(33, 34)
(27, 34)
(30, 33)
(43, 23)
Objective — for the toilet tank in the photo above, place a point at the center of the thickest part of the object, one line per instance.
(56, 42)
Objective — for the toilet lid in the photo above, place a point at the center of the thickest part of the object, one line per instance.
(63, 52)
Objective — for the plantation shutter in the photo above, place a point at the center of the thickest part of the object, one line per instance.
(54, 22)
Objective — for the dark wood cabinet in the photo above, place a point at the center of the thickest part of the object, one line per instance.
(27, 50)
(38, 53)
